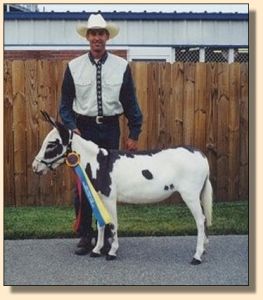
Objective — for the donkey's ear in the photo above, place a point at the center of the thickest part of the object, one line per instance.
(48, 118)
(63, 132)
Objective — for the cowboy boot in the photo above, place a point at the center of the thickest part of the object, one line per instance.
(85, 244)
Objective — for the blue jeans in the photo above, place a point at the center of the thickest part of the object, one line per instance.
(105, 136)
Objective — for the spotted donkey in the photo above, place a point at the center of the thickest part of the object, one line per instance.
(135, 177)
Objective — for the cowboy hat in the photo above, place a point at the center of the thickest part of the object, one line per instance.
(97, 22)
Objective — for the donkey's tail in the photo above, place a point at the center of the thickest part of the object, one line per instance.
(207, 201)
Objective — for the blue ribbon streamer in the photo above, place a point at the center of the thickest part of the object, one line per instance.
(90, 198)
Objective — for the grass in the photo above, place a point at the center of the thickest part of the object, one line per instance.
(134, 220)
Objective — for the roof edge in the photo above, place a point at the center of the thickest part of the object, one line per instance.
(130, 16)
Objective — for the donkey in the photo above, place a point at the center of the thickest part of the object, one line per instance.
(134, 177)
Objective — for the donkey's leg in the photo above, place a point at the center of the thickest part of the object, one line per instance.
(111, 205)
(193, 202)
(206, 240)
(100, 241)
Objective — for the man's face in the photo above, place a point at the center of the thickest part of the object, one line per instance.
(97, 39)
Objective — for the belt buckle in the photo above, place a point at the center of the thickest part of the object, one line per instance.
(99, 120)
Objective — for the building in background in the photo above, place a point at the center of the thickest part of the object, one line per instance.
(144, 36)
(12, 7)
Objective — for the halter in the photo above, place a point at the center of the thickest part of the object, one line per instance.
(64, 155)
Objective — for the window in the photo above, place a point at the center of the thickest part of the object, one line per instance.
(216, 55)
(211, 54)
(241, 55)
(187, 54)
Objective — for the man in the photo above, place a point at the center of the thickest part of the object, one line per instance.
(98, 88)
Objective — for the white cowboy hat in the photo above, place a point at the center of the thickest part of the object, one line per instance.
(97, 22)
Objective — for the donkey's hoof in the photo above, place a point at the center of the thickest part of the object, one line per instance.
(94, 254)
(110, 257)
(195, 261)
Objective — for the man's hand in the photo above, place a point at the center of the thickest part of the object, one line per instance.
(131, 145)
(76, 130)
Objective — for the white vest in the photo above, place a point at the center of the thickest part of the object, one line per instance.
(84, 77)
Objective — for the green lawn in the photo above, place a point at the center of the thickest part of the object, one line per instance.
(134, 220)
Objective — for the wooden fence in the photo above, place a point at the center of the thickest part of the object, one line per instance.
(199, 104)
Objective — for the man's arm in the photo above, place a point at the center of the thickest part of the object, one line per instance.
(131, 109)
(67, 96)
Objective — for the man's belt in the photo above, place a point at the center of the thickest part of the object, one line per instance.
(98, 119)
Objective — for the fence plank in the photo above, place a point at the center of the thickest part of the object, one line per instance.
(200, 107)
(32, 138)
(177, 103)
(212, 119)
(164, 139)
(45, 196)
(243, 184)
(153, 103)
(9, 136)
(51, 101)
(222, 131)
(19, 119)
(189, 103)
(234, 120)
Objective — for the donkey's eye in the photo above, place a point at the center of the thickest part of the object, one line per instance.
(53, 144)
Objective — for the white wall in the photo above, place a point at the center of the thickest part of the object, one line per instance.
(150, 33)
(151, 53)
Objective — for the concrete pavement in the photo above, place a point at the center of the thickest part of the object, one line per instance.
(141, 261)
